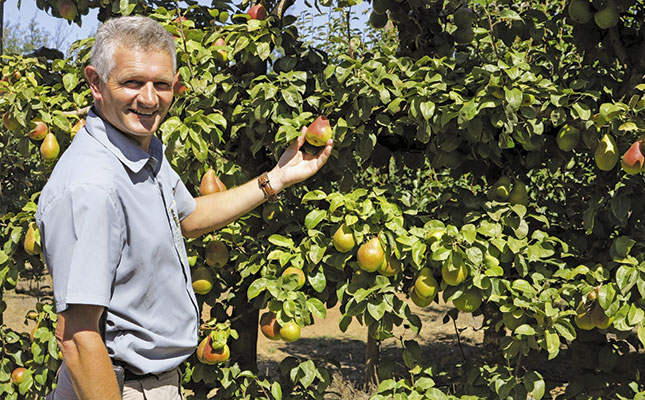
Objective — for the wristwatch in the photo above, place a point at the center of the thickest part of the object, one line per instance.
(265, 185)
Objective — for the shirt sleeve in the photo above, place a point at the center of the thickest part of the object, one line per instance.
(82, 245)
(185, 201)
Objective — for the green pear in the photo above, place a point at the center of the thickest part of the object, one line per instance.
(568, 137)
(608, 17)
(519, 194)
(580, 11)
(606, 154)
(49, 148)
(500, 189)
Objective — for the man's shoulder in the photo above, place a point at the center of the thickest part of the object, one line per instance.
(85, 164)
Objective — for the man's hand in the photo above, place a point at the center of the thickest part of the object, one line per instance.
(295, 166)
(84, 352)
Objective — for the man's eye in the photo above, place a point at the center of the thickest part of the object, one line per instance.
(162, 86)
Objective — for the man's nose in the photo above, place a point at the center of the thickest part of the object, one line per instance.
(148, 95)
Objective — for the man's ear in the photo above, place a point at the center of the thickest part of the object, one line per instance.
(95, 81)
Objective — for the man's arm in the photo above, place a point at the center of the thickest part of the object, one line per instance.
(216, 210)
(84, 352)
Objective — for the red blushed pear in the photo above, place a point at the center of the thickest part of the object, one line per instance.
(18, 375)
(221, 54)
(269, 326)
(211, 183)
(39, 129)
(319, 132)
(257, 12)
(633, 160)
(67, 9)
(208, 355)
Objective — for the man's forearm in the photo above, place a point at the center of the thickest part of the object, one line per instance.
(216, 210)
(90, 367)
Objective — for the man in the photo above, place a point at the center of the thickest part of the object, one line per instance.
(111, 218)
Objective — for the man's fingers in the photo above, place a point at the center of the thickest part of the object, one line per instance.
(323, 155)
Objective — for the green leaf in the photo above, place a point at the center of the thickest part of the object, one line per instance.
(534, 384)
(377, 310)
(583, 110)
(316, 307)
(427, 109)
(525, 329)
(641, 334)
(263, 50)
(552, 343)
(514, 97)
(314, 218)
(314, 195)
(318, 281)
(256, 288)
(276, 390)
(280, 240)
(70, 81)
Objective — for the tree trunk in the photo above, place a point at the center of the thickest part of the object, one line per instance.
(492, 338)
(244, 349)
(372, 355)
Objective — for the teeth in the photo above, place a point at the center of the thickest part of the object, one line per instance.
(144, 114)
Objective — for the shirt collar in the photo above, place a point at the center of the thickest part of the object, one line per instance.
(130, 155)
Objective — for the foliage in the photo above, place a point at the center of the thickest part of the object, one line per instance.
(435, 136)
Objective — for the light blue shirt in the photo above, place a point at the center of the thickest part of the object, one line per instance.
(109, 223)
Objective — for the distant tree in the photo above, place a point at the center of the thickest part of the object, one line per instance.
(18, 40)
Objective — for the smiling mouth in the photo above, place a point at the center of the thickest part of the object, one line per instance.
(143, 114)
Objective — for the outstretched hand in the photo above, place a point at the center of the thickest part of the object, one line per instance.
(295, 166)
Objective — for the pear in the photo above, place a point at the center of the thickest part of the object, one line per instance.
(606, 154)
(30, 243)
(500, 189)
(519, 194)
(202, 280)
(599, 318)
(568, 137)
(633, 160)
(49, 148)
(319, 132)
(216, 254)
(211, 183)
(370, 255)
(607, 17)
(344, 239)
(580, 11)
(377, 20)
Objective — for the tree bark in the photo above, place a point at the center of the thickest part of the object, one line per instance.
(244, 349)
(372, 356)
(492, 338)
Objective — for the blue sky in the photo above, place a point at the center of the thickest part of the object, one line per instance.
(73, 32)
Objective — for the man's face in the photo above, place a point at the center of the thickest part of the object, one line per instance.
(137, 94)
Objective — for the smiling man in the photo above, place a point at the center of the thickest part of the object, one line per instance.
(112, 217)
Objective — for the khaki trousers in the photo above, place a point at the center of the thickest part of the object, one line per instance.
(165, 386)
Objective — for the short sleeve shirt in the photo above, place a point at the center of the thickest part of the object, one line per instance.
(109, 222)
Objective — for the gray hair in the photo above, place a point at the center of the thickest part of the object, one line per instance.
(132, 32)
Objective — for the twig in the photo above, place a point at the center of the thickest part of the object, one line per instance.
(349, 33)
(492, 32)
(183, 40)
(458, 339)
(79, 112)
